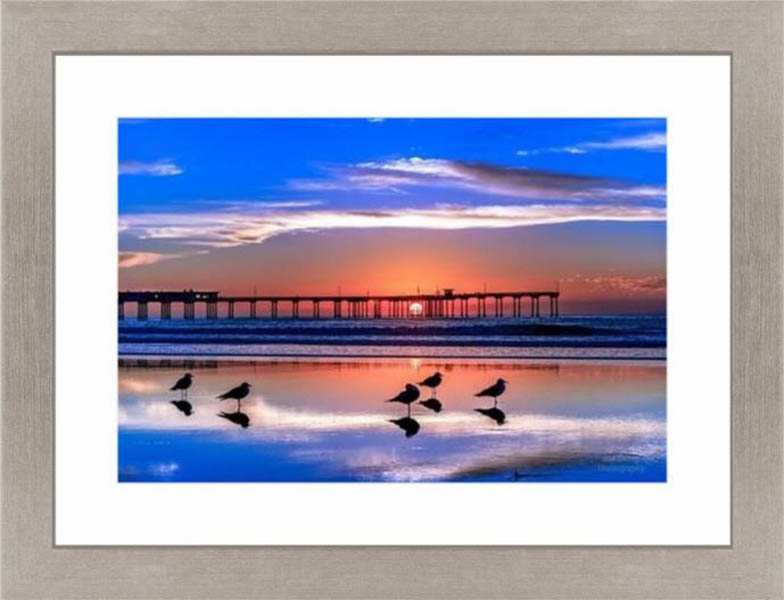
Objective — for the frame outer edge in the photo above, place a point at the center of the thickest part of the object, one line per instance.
(32, 30)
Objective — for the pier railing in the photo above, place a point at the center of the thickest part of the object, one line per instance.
(448, 304)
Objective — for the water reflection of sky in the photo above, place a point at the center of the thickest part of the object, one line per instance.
(326, 421)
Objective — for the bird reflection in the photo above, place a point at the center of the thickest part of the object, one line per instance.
(433, 404)
(494, 413)
(238, 418)
(407, 424)
(184, 407)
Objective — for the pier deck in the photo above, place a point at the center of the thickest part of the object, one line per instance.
(448, 304)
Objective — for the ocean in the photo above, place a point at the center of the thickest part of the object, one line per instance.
(642, 337)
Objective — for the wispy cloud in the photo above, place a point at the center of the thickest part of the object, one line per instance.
(622, 284)
(292, 203)
(160, 168)
(514, 197)
(228, 229)
(652, 142)
(480, 177)
(647, 141)
(139, 259)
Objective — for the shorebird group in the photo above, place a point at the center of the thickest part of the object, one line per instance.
(408, 396)
(238, 393)
(411, 394)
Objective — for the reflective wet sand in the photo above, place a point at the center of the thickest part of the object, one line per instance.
(326, 420)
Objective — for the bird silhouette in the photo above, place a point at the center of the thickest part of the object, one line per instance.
(494, 413)
(432, 382)
(237, 417)
(237, 393)
(183, 383)
(408, 396)
(407, 424)
(183, 406)
(433, 404)
(495, 390)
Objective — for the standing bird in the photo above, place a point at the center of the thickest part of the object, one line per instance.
(432, 382)
(183, 406)
(237, 393)
(408, 396)
(183, 383)
(495, 390)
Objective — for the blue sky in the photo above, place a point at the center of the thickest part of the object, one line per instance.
(243, 159)
(192, 188)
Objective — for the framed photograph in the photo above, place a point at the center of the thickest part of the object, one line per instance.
(369, 299)
(322, 284)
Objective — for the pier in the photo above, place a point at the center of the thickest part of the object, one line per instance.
(447, 304)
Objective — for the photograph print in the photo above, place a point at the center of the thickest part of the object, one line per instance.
(349, 300)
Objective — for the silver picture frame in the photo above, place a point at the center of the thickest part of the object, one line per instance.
(34, 32)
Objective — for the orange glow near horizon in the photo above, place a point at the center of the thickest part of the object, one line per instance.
(600, 277)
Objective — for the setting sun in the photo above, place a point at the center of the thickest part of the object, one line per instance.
(415, 309)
